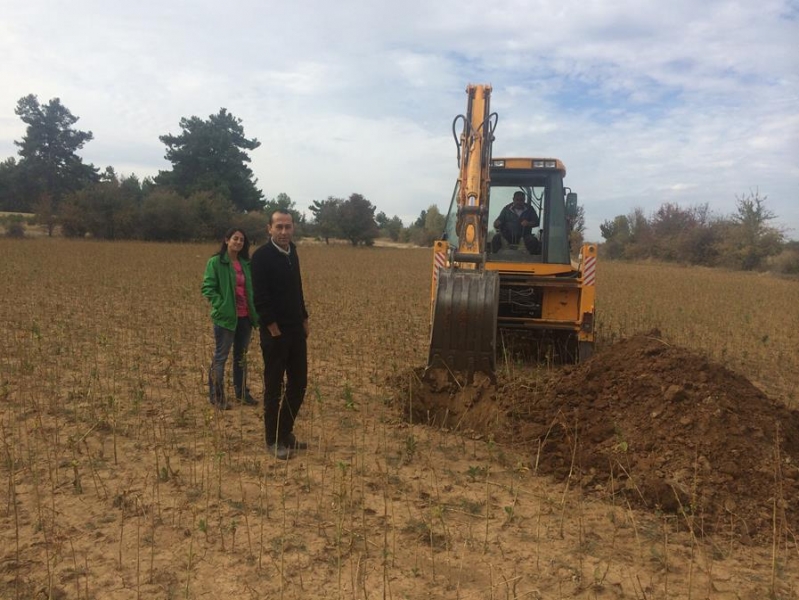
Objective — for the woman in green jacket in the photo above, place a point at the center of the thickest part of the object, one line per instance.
(228, 286)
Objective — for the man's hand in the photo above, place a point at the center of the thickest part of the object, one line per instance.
(274, 330)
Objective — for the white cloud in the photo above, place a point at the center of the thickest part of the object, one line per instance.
(645, 102)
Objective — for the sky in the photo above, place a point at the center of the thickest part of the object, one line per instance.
(645, 102)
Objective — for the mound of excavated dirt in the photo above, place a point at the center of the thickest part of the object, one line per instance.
(658, 425)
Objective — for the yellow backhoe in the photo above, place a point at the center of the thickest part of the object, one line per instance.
(503, 272)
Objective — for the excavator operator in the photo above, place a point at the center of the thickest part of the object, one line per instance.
(515, 224)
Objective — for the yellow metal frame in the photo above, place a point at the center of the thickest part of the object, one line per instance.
(527, 163)
(587, 296)
(442, 247)
(532, 268)
(567, 303)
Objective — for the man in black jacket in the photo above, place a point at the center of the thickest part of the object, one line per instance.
(277, 287)
(515, 223)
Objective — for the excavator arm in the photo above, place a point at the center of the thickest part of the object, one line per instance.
(474, 158)
(466, 296)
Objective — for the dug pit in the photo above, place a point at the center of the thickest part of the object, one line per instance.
(643, 422)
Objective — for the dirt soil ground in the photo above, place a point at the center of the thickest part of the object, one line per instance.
(647, 422)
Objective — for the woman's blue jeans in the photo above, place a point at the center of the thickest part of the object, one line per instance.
(239, 340)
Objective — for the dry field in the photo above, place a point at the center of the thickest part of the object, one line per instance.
(120, 481)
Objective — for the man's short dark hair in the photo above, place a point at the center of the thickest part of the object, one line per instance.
(283, 211)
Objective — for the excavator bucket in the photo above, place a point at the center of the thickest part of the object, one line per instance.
(464, 332)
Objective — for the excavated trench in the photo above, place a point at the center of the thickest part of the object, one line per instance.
(660, 426)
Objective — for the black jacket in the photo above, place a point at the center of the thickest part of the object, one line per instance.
(277, 287)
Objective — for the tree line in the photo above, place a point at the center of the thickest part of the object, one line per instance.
(744, 240)
(209, 188)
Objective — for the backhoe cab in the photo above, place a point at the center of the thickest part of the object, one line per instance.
(502, 272)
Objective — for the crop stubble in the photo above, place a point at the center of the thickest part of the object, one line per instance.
(121, 481)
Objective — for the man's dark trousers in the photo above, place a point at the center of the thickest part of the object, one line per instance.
(286, 354)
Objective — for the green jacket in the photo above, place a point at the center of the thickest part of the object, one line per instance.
(219, 286)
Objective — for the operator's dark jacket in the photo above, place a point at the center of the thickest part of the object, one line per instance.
(277, 287)
(510, 224)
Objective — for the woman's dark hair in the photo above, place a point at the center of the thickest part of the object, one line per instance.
(245, 250)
